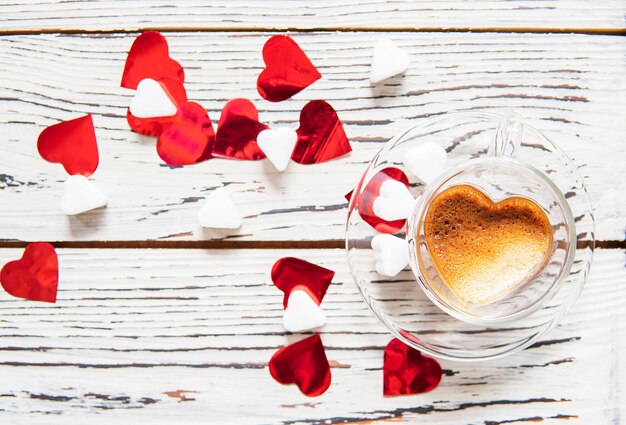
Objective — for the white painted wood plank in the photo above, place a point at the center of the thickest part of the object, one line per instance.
(134, 14)
(131, 326)
(570, 86)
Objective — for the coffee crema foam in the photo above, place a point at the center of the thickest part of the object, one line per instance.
(484, 250)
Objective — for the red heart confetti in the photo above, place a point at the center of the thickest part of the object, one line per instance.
(149, 57)
(237, 131)
(304, 364)
(189, 138)
(321, 136)
(153, 126)
(287, 69)
(71, 143)
(407, 371)
(367, 196)
(35, 276)
(290, 273)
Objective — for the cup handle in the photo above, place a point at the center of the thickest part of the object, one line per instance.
(508, 135)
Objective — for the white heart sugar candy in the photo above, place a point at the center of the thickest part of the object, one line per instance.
(388, 60)
(278, 145)
(81, 195)
(219, 211)
(394, 201)
(302, 313)
(391, 254)
(426, 162)
(151, 101)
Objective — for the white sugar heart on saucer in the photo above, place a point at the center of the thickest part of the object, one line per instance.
(394, 201)
(81, 195)
(391, 254)
(388, 60)
(302, 313)
(151, 101)
(278, 145)
(426, 162)
(219, 211)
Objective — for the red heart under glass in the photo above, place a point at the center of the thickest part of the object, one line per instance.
(321, 136)
(237, 131)
(287, 69)
(407, 371)
(370, 193)
(189, 138)
(290, 273)
(304, 364)
(35, 276)
(71, 143)
(149, 57)
(153, 126)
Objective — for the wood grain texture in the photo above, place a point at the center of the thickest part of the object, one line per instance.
(184, 336)
(569, 86)
(160, 335)
(229, 14)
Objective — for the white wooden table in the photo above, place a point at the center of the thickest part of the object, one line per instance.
(159, 321)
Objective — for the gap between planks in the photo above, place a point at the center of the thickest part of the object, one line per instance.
(225, 244)
(528, 30)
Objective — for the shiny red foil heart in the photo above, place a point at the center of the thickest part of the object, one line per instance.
(35, 276)
(187, 139)
(407, 371)
(237, 131)
(367, 196)
(149, 57)
(153, 126)
(321, 136)
(304, 364)
(71, 143)
(290, 273)
(287, 69)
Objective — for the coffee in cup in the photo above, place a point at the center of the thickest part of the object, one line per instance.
(482, 249)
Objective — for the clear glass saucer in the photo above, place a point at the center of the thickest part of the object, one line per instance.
(400, 303)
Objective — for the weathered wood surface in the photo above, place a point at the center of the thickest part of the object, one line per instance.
(570, 86)
(162, 336)
(157, 336)
(224, 14)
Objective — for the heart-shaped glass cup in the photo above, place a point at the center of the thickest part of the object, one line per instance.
(502, 157)
(500, 178)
